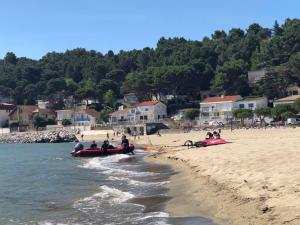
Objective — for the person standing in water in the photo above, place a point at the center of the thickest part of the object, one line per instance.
(125, 144)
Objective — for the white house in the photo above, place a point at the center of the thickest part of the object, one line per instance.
(5, 109)
(218, 108)
(64, 115)
(252, 103)
(148, 111)
(221, 108)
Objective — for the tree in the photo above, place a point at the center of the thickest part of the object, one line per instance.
(66, 122)
(287, 115)
(104, 114)
(243, 114)
(11, 58)
(297, 105)
(39, 121)
(192, 114)
(262, 113)
(109, 99)
(279, 110)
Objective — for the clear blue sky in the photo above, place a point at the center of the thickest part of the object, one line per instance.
(32, 28)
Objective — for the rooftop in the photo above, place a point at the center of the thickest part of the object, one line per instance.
(289, 98)
(229, 98)
(120, 112)
(5, 106)
(147, 103)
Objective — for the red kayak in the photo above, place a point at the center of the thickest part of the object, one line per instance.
(99, 152)
(218, 141)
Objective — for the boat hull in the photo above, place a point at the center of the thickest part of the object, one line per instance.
(99, 152)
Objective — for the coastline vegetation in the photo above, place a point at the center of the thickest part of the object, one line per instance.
(176, 66)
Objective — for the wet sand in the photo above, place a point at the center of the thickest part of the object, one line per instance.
(253, 180)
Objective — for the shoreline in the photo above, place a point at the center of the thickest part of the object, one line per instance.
(193, 196)
(253, 180)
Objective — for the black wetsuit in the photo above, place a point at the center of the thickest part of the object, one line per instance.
(93, 146)
(105, 146)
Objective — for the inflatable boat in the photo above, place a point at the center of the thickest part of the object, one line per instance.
(99, 152)
(206, 142)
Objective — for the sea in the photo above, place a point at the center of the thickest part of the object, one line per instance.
(41, 184)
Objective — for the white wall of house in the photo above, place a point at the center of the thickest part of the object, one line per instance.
(252, 103)
(216, 111)
(64, 114)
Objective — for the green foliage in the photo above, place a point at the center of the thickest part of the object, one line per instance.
(192, 114)
(104, 114)
(262, 113)
(109, 99)
(287, 115)
(66, 122)
(297, 105)
(39, 121)
(176, 66)
(279, 111)
(242, 114)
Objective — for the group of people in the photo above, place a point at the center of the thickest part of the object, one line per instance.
(213, 135)
(106, 145)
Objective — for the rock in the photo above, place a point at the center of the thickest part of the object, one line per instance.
(39, 137)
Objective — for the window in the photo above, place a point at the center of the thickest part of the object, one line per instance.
(145, 117)
(146, 109)
(141, 117)
(250, 105)
(205, 109)
(241, 106)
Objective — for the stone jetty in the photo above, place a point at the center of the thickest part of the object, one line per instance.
(39, 137)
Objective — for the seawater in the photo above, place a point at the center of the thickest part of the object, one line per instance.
(41, 184)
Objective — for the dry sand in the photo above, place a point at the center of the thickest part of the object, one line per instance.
(253, 180)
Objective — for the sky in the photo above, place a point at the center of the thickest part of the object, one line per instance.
(31, 28)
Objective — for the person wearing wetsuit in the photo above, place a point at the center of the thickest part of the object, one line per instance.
(216, 135)
(105, 146)
(125, 144)
(93, 145)
(78, 147)
(210, 135)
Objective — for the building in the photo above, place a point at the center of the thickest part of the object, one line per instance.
(218, 108)
(66, 114)
(130, 99)
(43, 104)
(5, 110)
(286, 100)
(255, 76)
(45, 113)
(148, 111)
(293, 89)
(20, 118)
(85, 119)
(252, 103)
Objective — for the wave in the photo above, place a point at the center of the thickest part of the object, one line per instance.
(106, 165)
(112, 195)
(137, 183)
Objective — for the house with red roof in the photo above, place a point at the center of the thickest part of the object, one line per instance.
(148, 111)
(218, 108)
(5, 109)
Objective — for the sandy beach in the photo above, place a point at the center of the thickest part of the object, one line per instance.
(253, 180)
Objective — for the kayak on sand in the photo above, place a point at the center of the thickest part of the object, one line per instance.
(206, 142)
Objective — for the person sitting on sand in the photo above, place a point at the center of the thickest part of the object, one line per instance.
(78, 147)
(209, 135)
(93, 145)
(216, 135)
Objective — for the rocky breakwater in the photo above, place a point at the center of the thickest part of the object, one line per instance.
(39, 137)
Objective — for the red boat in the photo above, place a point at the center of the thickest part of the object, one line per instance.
(99, 152)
